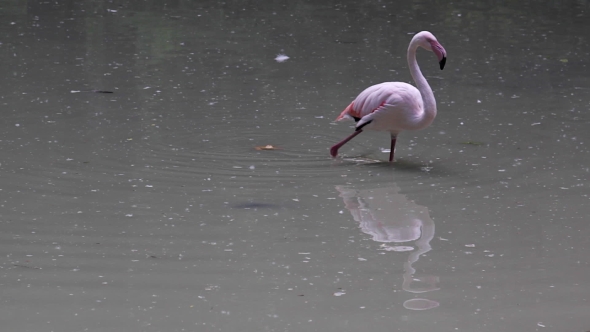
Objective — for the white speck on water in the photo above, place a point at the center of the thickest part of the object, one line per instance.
(470, 245)
(281, 58)
(362, 259)
(252, 167)
(402, 248)
(479, 101)
(74, 91)
(17, 125)
(501, 170)
(129, 215)
(339, 293)
(149, 186)
(296, 199)
(147, 87)
(303, 253)
(395, 248)
(535, 123)
(540, 324)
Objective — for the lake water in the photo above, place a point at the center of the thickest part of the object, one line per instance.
(150, 208)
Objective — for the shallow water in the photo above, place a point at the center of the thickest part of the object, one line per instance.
(150, 209)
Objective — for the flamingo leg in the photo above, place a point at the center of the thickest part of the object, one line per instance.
(334, 149)
(393, 139)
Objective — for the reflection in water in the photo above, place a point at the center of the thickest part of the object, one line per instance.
(389, 217)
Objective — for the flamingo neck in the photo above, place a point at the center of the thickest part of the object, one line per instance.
(427, 96)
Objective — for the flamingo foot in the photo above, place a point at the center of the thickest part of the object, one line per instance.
(334, 149)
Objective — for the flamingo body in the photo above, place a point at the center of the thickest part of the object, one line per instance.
(389, 106)
(396, 106)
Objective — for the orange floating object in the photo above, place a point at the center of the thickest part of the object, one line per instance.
(267, 147)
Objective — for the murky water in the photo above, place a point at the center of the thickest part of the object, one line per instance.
(150, 208)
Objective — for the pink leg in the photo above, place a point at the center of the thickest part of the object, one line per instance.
(334, 149)
(393, 139)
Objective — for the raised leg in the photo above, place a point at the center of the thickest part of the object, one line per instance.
(334, 149)
(393, 139)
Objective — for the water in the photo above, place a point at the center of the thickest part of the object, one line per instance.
(150, 209)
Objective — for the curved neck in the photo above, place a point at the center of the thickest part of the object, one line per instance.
(422, 85)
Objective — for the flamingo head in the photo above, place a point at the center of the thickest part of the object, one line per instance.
(429, 42)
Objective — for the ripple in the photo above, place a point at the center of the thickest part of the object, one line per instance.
(420, 304)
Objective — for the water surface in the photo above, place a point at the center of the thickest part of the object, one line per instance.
(150, 208)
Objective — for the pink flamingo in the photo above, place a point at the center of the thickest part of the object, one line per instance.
(396, 106)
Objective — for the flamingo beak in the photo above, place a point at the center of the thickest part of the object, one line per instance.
(440, 53)
(442, 62)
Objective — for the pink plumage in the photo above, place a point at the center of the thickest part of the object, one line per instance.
(396, 106)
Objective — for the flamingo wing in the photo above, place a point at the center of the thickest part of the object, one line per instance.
(390, 106)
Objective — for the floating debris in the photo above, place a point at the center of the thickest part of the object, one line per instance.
(281, 57)
(95, 91)
(267, 147)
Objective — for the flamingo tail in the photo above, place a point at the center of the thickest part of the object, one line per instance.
(348, 113)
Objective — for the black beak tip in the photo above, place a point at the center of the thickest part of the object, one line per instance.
(442, 63)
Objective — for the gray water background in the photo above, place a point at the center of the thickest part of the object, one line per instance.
(149, 209)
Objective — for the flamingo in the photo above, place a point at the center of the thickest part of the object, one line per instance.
(396, 106)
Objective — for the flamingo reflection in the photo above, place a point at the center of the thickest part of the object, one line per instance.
(399, 224)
